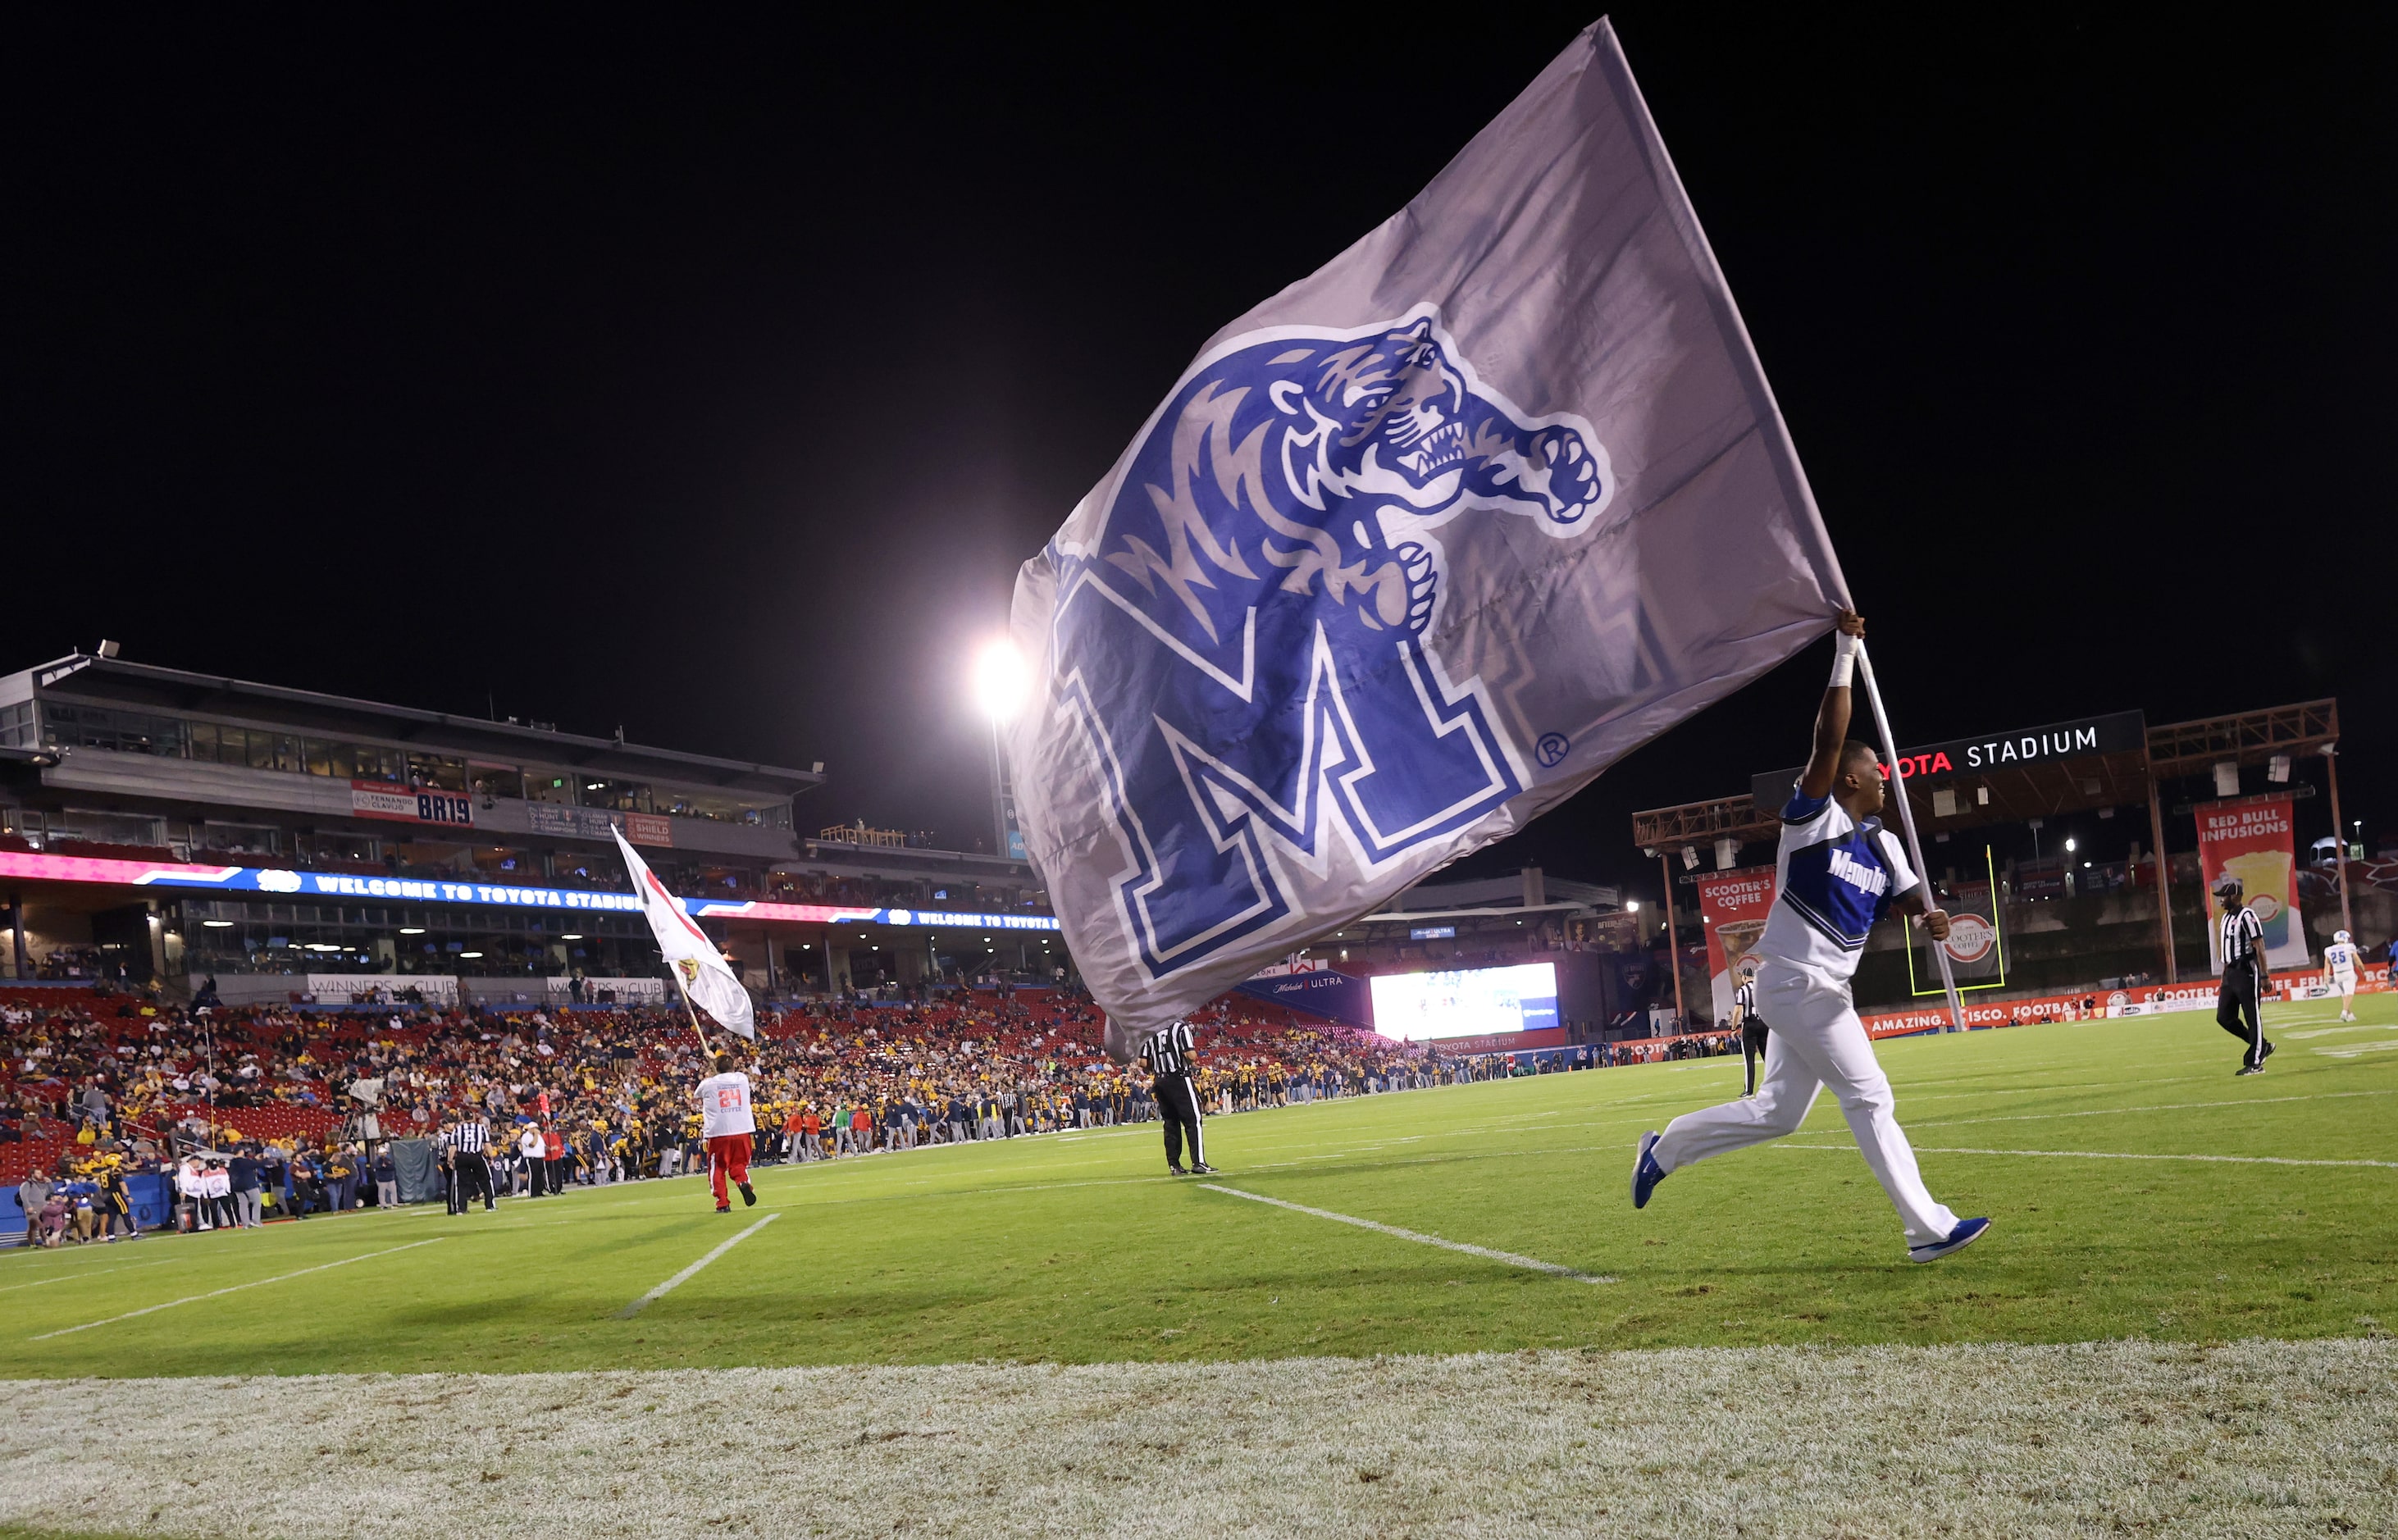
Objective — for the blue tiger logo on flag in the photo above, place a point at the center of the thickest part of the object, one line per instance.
(1418, 547)
(1273, 555)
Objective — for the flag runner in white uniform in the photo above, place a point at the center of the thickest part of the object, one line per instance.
(1839, 872)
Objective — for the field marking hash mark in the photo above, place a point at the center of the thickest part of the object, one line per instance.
(662, 1291)
(2161, 1107)
(89, 1273)
(2123, 1155)
(232, 1289)
(1509, 1258)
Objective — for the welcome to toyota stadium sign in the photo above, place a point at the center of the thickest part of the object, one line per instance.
(282, 881)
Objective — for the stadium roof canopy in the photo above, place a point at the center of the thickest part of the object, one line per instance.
(2115, 761)
(114, 681)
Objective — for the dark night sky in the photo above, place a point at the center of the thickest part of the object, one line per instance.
(445, 360)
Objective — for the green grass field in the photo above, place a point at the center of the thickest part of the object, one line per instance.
(2268, 1213)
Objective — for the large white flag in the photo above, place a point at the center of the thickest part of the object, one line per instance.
(1411, 552)
(705, 977)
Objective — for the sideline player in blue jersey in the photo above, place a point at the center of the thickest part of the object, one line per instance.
(1839, 870)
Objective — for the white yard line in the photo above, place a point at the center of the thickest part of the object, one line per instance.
(1509, 1258)
(2161, 1107)
(662, 1291)
(2122, 1155)
(91, 1273)
(235, 1289)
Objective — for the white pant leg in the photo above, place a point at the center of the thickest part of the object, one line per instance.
(1834, 1041)
(1784, 1093)
(1816, 1041)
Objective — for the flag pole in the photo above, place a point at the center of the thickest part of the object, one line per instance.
(687, 1005)
(1907, 822)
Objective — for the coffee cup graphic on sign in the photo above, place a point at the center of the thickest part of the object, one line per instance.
(2265, 879)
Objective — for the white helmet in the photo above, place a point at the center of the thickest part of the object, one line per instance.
(2341, 937)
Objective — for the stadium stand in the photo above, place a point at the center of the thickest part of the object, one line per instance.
(98, 1080)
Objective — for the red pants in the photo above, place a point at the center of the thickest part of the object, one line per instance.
(728, 1160)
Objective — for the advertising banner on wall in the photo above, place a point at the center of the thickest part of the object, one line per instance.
(559, 990)
(375, 798)
(2255, 841)
(650, 828)
(1732, 907)
(1319, 991)
(342, 989)
(1977, 944)
(577, 823)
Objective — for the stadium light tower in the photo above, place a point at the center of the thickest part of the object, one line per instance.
(1000, 682)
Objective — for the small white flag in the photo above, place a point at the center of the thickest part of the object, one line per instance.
(699, 967)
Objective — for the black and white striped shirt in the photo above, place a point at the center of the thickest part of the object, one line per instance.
(1743, 1000)
(1170, 1051)
(470, 1137)
(2242, 933)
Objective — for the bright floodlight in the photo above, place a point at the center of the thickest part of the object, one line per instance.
(2070, 847)
(1000, 680)
(1631, 908)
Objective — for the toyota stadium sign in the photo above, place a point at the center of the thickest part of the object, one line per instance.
(2117, 732)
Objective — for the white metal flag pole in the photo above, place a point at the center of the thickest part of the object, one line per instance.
(1907, 824)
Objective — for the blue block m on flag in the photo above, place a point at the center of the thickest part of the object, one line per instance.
(1411, 553)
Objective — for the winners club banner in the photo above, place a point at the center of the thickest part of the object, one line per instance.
(2253, 841)
(1732, 906)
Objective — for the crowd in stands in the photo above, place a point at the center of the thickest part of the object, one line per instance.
(281, 1111)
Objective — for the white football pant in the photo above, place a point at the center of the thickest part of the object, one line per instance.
(1815, 1040)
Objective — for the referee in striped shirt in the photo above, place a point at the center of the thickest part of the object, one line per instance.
(2239, 1002)
(470, 1169)
(1167, 1054)
(1751, 1025)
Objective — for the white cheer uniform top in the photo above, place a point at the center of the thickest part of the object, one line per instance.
(1832, 880)
(724, 1105)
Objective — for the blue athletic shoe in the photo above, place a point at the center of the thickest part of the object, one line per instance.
(1968, 1231)
(1647, 1173)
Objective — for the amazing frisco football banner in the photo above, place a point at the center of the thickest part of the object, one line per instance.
(1732, 907)
(2255, 841)
(1409, 554)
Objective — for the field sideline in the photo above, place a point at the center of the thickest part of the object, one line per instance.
(2143, 1197)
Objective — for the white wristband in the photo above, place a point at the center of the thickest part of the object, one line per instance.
(1844, 659)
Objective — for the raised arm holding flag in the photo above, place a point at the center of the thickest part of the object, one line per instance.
(700, 972)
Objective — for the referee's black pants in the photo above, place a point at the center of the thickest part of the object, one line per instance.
(474, 1177)
(2236, 1009)
(1178, 1103)
(1752, 1050)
